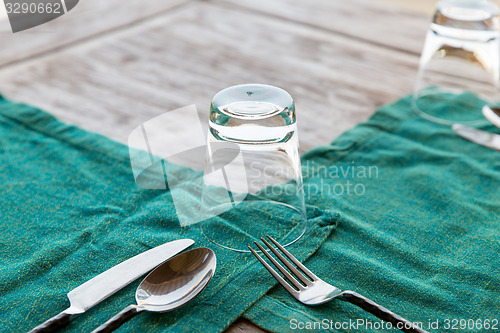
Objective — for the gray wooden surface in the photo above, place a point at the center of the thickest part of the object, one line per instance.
(108, 66)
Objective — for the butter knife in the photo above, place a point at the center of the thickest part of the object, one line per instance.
(483, 138)
(107, 283)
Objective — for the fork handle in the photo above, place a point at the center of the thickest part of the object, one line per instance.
(379, 311)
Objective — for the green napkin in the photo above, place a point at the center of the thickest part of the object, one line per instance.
(70, 209)
(421, 236)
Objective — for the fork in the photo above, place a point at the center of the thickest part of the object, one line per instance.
(314, 291)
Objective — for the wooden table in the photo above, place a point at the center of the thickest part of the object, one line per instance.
(108, 66)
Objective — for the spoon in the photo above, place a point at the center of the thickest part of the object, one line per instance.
(169, 286)
(492, 113)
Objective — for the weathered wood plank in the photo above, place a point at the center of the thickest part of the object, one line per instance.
(395, 26)
(112, 84)
(88, 19)
(421, 6)
(244, 326)
(391, 26)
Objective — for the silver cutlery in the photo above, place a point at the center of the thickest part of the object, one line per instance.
(483, 138)
(107, 283)
(171, 285)
(492, 113)
(311, 290)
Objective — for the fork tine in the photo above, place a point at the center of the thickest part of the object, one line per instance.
(292, 268)
(281, 269)
(294, 260)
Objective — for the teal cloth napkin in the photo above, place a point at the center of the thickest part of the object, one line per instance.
(421, 236)
(70, 209)
(416, 206)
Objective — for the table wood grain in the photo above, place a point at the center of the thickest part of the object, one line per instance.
(114, 81)
(108, 66)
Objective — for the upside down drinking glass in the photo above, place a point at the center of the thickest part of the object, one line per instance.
(459, 67)
(252, 185)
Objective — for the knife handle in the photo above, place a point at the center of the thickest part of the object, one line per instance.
(117, 321)
(53, 324)
(379, 311)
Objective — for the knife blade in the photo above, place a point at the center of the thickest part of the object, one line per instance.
(107, 283)
(483, 138)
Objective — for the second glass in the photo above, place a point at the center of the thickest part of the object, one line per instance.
(459, 67)
(252, 185)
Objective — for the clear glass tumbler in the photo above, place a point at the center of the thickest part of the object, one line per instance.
(459, 66)
(252, 180)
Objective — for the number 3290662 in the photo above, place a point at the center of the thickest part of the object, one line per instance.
(33, 8)
(463, 324)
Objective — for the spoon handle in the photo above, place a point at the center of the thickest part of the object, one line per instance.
(120, 318)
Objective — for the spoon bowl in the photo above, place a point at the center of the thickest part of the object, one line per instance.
(176, 282)
(169, 286)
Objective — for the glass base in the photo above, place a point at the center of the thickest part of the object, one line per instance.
(248, 221)
(448, 108)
